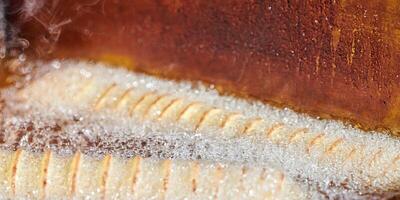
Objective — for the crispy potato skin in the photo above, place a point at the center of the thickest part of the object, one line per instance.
(328, 58)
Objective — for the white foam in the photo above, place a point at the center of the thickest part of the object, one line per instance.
(42, 103)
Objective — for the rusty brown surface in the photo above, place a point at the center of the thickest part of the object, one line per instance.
(333, 58)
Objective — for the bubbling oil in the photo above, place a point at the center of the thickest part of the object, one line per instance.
(75, 106)
(15, 71)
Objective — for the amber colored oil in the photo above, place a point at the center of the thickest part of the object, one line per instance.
(4, 74)
(335, 59)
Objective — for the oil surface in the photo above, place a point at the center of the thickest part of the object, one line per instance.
(328, 58)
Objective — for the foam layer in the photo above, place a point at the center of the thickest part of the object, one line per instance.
(338, 159)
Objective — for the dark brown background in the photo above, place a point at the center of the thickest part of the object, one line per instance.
(335, 58)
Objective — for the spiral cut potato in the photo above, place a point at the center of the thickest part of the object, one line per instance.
(51, 176)
(336, 158)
